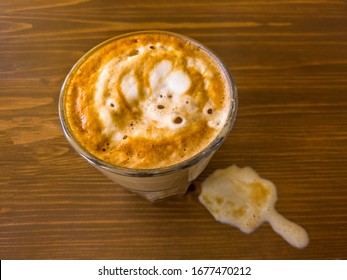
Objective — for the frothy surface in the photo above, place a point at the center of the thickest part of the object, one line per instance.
(147, 101)
(240, 197)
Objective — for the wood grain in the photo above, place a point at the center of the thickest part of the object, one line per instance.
(290, 62)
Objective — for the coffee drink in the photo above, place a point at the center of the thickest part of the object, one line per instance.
(147, 100)
(148, 109)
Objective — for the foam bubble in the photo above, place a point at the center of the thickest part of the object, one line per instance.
(208, 109)
(241, 198)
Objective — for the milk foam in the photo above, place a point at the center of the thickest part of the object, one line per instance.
(148, 101)
(241, 198)
(129, 87)
(165, 102)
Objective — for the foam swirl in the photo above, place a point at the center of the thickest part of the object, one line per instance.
(165, 103)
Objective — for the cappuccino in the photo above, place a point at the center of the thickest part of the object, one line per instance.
(148, 109)
(147, 100)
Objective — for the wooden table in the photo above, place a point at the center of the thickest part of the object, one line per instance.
(289, 59)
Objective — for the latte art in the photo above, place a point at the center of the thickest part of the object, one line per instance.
(147, 101)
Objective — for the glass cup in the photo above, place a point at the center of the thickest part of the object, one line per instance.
(159, 183)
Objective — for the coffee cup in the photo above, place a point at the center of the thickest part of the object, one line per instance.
(148, 109)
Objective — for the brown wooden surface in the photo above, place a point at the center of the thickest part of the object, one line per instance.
(289, 59)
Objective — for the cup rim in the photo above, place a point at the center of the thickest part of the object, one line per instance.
(150, 172)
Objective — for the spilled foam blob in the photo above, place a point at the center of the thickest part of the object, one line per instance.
(241, 198)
